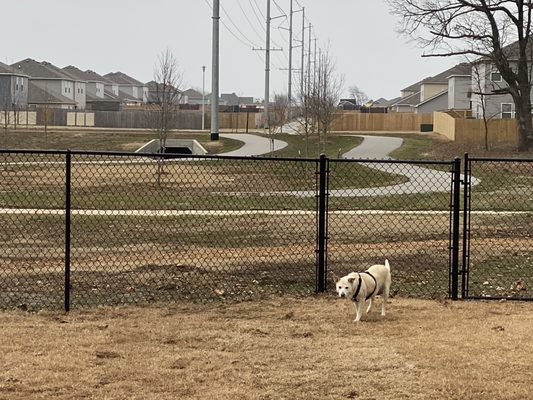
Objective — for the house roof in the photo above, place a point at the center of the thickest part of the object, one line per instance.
(152, 86)
(36, 69)
(108, 98)
(89, 76)
(193, 94)
(38, 93)
(411, 100)
(122, 79)
(8, 70)
(442, 78)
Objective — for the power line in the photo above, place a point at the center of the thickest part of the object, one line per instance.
(236, 27)
(247, 19)
(234, 35)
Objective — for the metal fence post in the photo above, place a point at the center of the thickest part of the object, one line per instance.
(455, 226)
(466, 228)
(321, 234)
(67, 228)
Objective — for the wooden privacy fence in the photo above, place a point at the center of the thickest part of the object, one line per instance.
(501, 132)
(16, 118)
(237, 121)
(392, 122)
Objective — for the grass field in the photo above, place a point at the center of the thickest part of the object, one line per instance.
(283, 348)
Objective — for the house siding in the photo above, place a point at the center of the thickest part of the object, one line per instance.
(492, 102)
(428, 90)
(459, 88)
(436, 104)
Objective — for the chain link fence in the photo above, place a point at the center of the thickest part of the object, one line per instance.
(32, 233)
(86, 229)
(498, 257)
(147, 229)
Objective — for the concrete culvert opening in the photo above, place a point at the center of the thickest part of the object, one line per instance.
(174, 147)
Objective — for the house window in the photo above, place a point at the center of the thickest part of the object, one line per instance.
(507, 110)
(16, 87)
(495, 75)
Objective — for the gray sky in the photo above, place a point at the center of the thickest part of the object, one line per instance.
(128, 35)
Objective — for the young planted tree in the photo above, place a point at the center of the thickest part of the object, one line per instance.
(319, 101)
(496, 31)
(327, 93)
(165, 98)
(280, 110)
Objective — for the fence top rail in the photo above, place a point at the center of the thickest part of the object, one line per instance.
(391, 161)
(154, 155)
(498, 159)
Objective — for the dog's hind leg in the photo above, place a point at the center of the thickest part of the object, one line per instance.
(385, 297)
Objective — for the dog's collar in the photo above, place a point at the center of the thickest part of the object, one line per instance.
(354, 297)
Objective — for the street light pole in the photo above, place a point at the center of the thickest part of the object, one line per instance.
(203, 97)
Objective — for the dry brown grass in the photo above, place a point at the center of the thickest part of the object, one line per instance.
(292, 348)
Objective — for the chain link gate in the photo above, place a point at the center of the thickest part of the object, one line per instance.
(405, 211)
(498, 229)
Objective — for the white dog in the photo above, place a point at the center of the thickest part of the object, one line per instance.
(362, 286)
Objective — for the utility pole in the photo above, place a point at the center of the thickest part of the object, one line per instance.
(215, 68)
(203, 97)
(289, 94)
(267, 67)
(267, 51)
(309, 60)
(303, 53)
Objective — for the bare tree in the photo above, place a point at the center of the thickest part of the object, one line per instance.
(358, 95)
(280, 110)
(319, 101)
(478, 88)
(497, 31)
(164, 102)
(328, 90)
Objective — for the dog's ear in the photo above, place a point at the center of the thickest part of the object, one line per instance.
(334, 277)
(351, 280)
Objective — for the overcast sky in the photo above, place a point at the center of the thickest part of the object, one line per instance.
(128, 35)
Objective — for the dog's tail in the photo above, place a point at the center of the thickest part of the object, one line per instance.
(387, 264)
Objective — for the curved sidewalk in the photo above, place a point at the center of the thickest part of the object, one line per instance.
(420, 179)
(253, 145)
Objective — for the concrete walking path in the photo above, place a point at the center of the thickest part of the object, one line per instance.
(254, 145)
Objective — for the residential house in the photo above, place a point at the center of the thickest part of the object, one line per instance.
(348, 105)
(156, 91)
(448, 90)
(13, 88)
(487, 86)
(66, 90)
(130, 89)
(191, 96)
(97, 96)
(41, 96)
(231, 99)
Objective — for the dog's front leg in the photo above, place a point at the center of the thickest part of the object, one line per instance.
(369, 305)
(358, 311)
